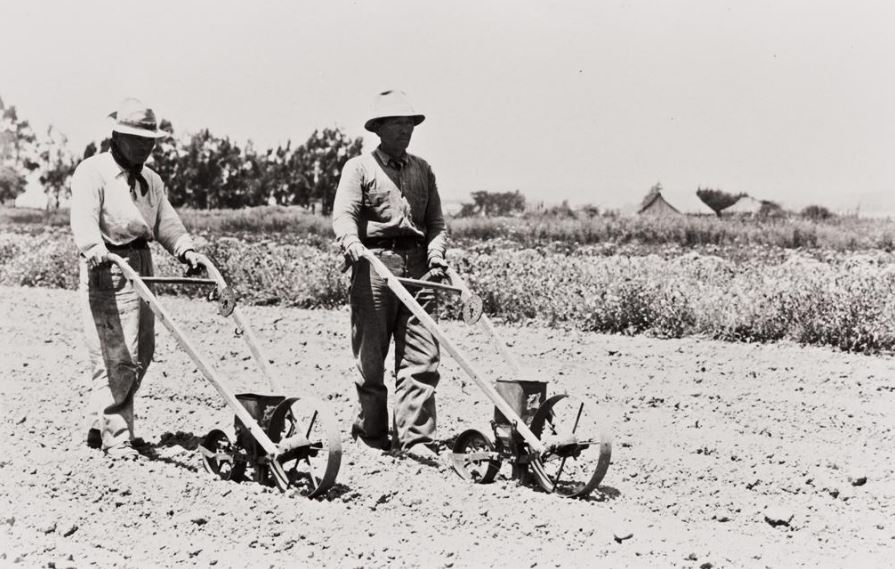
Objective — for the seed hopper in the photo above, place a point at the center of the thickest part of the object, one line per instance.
(290, 442)
(558, 441)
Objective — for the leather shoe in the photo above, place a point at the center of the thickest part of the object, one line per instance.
(94, 439)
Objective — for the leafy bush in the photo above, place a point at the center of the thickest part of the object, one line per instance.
(816, 213)
(846, 300)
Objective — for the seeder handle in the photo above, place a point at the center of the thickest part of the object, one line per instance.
(405, 297)
(428, 284)
(243, 325)
(179, 280)
(487, 327)
(229, 397)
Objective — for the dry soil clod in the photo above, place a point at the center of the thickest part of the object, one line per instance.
(777, 517)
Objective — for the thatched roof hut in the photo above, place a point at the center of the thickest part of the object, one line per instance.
(655, 204)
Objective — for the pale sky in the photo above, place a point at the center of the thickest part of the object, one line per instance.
(590, 101)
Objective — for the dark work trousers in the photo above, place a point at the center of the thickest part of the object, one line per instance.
(377, 316)
(119, 329)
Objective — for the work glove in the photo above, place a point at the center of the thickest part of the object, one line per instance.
(97, 258)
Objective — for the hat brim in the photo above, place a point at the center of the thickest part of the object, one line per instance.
(371, 124)
(136, 131)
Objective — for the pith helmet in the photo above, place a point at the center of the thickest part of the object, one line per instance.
(392, 104)
(134, 117)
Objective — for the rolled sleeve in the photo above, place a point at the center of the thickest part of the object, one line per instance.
(86, 205)
(347, 204)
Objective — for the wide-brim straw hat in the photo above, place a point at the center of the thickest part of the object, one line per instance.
(134, 117)
(390, 104)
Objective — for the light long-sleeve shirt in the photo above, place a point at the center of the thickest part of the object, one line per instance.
(104, 209)
(383, 197)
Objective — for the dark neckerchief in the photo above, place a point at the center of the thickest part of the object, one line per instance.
(134, 174)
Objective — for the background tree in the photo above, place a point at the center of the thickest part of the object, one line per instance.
(18, 154)
(56, 167)
(201, 170)
(771, 209)
(12, 183)
(283, 179)
(590, 210)
(165, 155)
(816, 213)
(94, 148)
(561, 210)
(718, 200)
(492, 204)
(205, 172)
(317, 165)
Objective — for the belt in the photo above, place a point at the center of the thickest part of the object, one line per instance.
(138, 243)
(393, 243)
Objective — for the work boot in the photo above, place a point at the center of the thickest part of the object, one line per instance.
(380, 443)
(94, 439)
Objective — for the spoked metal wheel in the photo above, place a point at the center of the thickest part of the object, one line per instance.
(474, 457)
(308, 429)
(578, 449)
(218, 456)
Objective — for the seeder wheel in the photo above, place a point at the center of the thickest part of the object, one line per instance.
(218, 457)
(474, 457)
(308, 428)
(471, 309)
(577, 449)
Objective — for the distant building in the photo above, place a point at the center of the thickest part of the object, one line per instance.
(668, 203)
(746, 205)
(655, 204)
(687, 202)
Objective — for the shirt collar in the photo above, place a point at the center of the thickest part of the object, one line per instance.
(391, 161)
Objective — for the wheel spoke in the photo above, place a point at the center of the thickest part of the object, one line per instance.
(558, 424)
(578, 417)
(313, 464)
(474, 458)
(311, 425)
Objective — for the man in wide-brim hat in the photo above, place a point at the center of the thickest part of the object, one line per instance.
(119, 205)
(387, 201)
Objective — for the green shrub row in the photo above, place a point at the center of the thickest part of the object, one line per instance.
(845, 300)
(848, 303)
(840, 234)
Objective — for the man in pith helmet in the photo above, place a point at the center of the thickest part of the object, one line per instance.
(387, 202)
(119, 206)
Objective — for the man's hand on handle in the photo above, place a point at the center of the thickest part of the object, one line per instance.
(191, 258)
(437, 269)
(98, 258)
(355, 252)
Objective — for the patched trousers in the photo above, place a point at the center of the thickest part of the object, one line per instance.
(377, 316)
(120, 335)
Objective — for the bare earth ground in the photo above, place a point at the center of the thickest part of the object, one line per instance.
(709, 437)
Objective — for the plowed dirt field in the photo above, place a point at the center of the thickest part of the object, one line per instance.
(724, 455)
